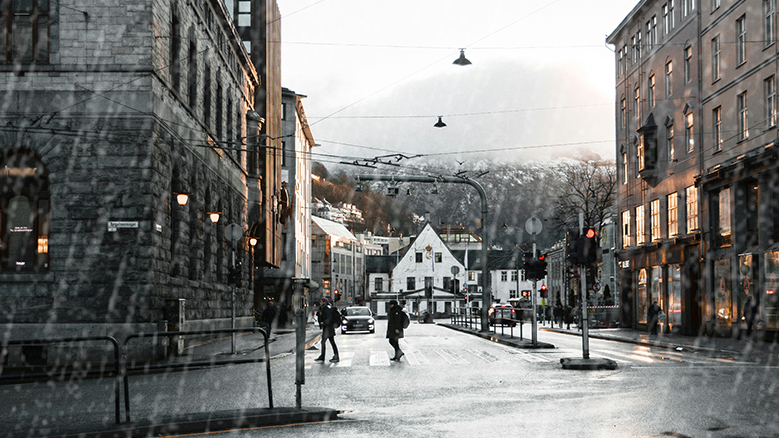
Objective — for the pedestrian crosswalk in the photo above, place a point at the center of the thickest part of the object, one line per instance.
(354, 356)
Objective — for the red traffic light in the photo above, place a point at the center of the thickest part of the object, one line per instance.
(542, 257)
(543, 288)
(591, 233)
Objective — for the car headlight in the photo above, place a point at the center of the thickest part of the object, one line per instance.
(370, 321)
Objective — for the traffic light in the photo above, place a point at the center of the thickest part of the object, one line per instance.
(588, 247)
(234, 274)
(541, 266)
(571, 249)
(337, 295)
(544, 291)
(526, 293)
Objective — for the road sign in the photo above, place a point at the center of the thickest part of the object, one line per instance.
(455, 270)
(233, 233)
(596, 286)
(534, 226)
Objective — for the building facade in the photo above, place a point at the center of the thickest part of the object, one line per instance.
(337, 263)
(126, 183)
(696, 134)
(297, 143)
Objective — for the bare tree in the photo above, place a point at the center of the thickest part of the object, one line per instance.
(584, 187)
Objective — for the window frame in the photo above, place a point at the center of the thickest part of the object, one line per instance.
(687, 64)
(769, 87)
(769, 22)
(640, 225)
(654, 217)
(717, 128)
(741, 40)
(38, 42)
(689, 131)
(626, 241)
(691, 208)
(742, 108)
(673, 214)
(651, 91)
(669, 86)
(716, 58)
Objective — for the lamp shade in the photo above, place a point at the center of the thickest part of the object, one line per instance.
(440, 123)
(462, 60)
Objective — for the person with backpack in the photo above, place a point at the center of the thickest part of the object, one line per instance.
(329, 319)
(397, 320)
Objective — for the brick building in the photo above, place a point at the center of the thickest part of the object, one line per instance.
(129, 142)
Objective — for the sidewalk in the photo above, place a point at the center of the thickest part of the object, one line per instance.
(23, 401)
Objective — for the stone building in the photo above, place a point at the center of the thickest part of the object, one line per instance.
(130, 173)
(696, 140)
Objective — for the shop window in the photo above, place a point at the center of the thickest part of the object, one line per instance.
(674, 310)
(723, 298)
(642, 296)
(771, 304)
(25, 218)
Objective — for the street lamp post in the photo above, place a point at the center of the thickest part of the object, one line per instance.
(486, 293)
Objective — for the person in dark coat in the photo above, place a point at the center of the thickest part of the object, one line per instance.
(395, 328)
(268, 315)
(283, 316)
(325, 317)
(651, 315)
(558, 312)
(750, 313)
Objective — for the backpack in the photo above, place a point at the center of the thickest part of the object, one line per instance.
(406, 321)
(335, 315)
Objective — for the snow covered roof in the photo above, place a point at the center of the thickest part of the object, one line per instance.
(333, 228)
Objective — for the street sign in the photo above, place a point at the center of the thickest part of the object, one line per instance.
(455, 270)
(596, 286)
(534, 226)
(233, 233)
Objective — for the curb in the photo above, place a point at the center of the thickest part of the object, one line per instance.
(495, 338)
(210, 422)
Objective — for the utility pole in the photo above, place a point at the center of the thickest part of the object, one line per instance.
(486, 296)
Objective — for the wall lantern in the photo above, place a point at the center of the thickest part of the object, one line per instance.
(182, 196)
(253, 241)
(214, 215)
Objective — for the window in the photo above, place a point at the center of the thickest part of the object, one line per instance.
(411, 283)
(743, 116)
(24, 210)
(638, 45)
(687, 7)
(438, 257)
(514, 276)
(640, 153)
(378, 284)
(622, 109)
(633, 50)
(620, 67)
(741, 40)
(769, 12)
(724, 212)
(244, 13)
(419, 257)
(24, 31)
(175, 47)
(192, 69)
(626, 228)
(669, 138)
(651, 91)
(640, 237)
(687, 65)
(637, 102)
(220, 115)
(673, 214)
(624, 166)
(669, 71)
(689, 137)
(667, 19)
(671, 13)
(692, 209)
(504, 276)
(654, 213)
(715, 58)
(716, 119)
(651, 33)
(715, 5)
(770, 101)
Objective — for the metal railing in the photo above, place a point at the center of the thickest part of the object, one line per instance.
(169, 366)
(122, 366)
(48, 375)
(470, 318)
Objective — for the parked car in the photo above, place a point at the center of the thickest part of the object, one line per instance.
(502, 314)
(357, 319)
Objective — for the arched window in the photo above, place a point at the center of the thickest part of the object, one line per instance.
(25, 220)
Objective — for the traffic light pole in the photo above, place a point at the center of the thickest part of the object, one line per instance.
(585, 320)
(486, 295)
(534, 300)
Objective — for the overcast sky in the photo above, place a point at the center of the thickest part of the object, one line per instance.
(378, 73)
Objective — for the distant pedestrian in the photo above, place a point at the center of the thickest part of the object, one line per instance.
(283, 315)
(750, 313)
(652, 316)
(268, 315)
(395, 328)
(569, 317)
(327, 321)
(558, 313)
